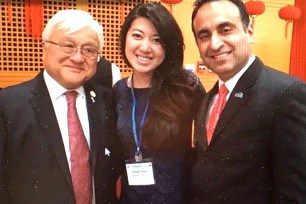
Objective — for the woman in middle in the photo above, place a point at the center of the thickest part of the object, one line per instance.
(155, 107)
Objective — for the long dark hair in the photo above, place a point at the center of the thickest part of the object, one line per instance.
(172, 92)
(170, 36)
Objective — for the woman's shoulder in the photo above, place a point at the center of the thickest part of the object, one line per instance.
(193, 81)
(188, 84)
(121, 84)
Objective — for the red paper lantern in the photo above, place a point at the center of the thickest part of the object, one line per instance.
(255, 8)
(289, 13)
(171, 1)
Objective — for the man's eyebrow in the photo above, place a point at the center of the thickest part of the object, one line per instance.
(201, 32)
(224, 24)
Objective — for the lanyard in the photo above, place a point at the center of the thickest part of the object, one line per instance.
(137, 138)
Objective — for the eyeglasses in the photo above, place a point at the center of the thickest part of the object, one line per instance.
(71, 49)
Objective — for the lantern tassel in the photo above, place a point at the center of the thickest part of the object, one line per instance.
(9, 11)
(286, 29)
(122, 16)
(66, 4)
(36, 17)
(253, 21)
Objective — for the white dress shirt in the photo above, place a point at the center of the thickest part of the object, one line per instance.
(58, 98)
(230, 85)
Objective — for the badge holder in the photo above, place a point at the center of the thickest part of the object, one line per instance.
(140, 173)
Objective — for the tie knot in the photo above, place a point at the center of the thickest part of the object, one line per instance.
(223, 90)
(71, 96)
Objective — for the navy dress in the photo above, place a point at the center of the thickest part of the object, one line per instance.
(171, 165)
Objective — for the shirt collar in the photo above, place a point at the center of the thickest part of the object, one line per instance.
(56, 90)
(231, 83)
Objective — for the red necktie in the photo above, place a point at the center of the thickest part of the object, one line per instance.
(80, 162)
(216, 111)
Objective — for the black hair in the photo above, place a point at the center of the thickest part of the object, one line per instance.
(245, 19)
(170, 36)
(175, 94)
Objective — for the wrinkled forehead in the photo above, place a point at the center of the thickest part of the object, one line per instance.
(85, 35)
(70, 22)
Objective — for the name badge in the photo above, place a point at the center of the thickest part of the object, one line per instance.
(140, 173)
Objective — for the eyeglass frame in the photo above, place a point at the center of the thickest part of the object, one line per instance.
(75, 49)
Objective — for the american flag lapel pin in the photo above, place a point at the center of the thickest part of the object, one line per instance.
(239, 95)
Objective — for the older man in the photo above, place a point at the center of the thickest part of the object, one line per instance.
(58, 138)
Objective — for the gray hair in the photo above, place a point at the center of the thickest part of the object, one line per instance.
(73, 20)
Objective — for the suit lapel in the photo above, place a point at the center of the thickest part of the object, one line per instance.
(94, 107)
(200, 130)
(43, 108)
(239, 96)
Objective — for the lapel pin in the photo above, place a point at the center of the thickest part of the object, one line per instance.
(92, 96)
(239, 95)
(107, 152)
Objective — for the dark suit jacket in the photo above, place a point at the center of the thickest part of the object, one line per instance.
(258, 150)
(33, 163)
(104, 76)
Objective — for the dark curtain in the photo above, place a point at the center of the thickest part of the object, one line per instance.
(298, 46)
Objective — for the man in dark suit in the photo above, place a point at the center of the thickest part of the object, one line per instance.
(35, 138)
(257, 151)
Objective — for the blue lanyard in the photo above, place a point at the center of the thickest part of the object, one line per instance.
(137, 137)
